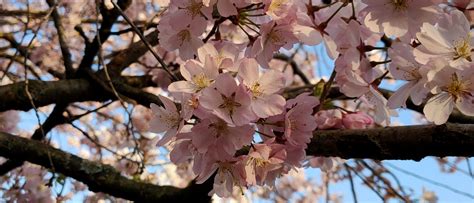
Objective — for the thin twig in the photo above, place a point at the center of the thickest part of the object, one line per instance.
(430, 181)
(147, 44)
(354, 196)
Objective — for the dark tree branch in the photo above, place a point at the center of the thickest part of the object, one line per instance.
(294, 66)
(98, 177)
(109, 17)
(408, 142)
(54, 119)
(405, 142)
(44, 93)
(62, 40)
(130, 55)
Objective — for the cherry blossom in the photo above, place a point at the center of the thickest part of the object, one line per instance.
(228, 101)
(224, 54)
(327, 119)
(262, 159)
(263, 88)
(198, 76)
(166, 119)
(358, 120)
(450, 39)
(299, 124)
(405, 67)
(220, 141)
(451, 88)
(182, 36)
(273, 37)
(238, 85)
(399, 17)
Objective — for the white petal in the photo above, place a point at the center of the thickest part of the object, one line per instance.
(438, 108)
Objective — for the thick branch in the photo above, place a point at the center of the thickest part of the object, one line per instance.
(62, 39)
(14, 97)
(98, 177)
(109, 18)
(406, 142)
(132, 53)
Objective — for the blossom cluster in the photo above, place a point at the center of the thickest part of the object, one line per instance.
(229, 114)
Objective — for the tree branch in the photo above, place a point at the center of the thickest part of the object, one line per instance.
(64, 91)
(109, 17)
(405, 142)
(62, 40)
(98, 177)
(294, 66)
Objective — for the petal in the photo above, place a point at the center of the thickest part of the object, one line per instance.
(248, 71)
(307, 35)
(169, 105)
(438, 108)
(268, 106)
(272, 81)
(226, 8)
(206, 49)
(465, 104)
(399, 98)
(182, 86)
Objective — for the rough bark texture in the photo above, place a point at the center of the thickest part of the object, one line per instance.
(14, 96)
(405, 142)
(98, 177)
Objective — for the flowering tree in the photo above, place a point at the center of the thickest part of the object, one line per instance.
(184, 99)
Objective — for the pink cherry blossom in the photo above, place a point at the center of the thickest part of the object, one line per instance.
(224, 54)
(326, 164)
(329, 119)
(399, 17)
(299, 125)
(278, 8)
(214, 137)
(263, 158)
(166, 119)
(358, 120)
(182, 36)
(405, 67)
(9, 121)
(183, 149)
(229, 175)
(263, 88)
(198, 76)
(450, 39)
(228, 101)
(273, 37)
(451, 88)
(358, 82)
(189, 11)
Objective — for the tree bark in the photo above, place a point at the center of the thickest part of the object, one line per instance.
(407, 142)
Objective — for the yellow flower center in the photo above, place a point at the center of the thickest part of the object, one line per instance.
(220, 127)
(193, 102)
(170, 120)
(194, 9)
(184, 36)
(229, 104)
(411, 75)
(400, 5)
(457, 87)
(462, 49)
(256, 90)
(201, 81)
(275, 37)
(275, 5)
